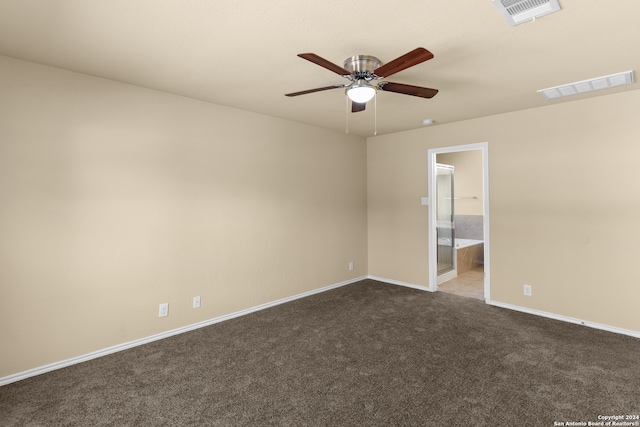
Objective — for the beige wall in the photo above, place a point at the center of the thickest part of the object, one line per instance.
(564, 207)
(115, 198)
(467, 180)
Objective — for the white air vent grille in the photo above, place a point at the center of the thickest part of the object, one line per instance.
(513, 7)
(520, 11)
(604, 82)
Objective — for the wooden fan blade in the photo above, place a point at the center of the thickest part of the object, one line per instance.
(304, 92)
(422, 92)
(357, 106)
(324, 63)
(407, 60)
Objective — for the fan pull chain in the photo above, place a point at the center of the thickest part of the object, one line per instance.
(347, 113)
(375, 115)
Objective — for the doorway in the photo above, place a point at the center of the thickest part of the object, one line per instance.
(472, 198)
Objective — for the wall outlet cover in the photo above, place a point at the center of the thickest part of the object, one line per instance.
(163, 310)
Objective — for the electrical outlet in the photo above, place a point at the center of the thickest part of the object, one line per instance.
(351, 266)
(196, 302)
(527, 290)
(163, 310)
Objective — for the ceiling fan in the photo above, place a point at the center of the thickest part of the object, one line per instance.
(361, 70)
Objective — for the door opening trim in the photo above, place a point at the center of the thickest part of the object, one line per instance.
(431, 168)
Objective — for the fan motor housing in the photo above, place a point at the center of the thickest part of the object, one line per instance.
(361, 64)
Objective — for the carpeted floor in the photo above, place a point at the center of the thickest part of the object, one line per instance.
(367, 354)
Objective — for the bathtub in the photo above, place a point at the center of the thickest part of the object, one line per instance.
(469, 254)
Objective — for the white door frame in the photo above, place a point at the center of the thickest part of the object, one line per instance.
(433, 254)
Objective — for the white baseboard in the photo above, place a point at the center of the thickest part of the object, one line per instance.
(594, 325)
(125, 346)
(629, 332)
(120, 347)
(399, 283)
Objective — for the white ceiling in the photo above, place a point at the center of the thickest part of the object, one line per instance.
(242, 53)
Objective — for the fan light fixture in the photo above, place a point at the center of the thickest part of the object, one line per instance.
(361, 92)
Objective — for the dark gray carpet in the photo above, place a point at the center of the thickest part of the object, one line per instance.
(367, 354)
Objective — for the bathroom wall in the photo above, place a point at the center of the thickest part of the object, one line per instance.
(469, 226)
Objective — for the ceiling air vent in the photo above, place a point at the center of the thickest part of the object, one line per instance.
(604, 82)
(520, 11)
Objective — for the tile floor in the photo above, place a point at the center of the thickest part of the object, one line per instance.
(469, 284)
